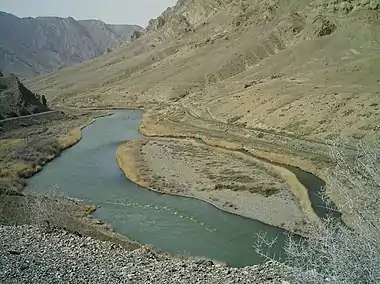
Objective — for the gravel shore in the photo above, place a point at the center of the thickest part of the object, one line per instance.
(231, 181)
(28, 255)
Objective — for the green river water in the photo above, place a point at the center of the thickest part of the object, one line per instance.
(89, 172)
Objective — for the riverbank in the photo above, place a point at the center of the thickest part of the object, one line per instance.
(229, 180)
(29, 255)
(23, 158)
(25, 150)
(52, 210)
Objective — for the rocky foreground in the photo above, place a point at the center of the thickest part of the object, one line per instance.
(28, 255)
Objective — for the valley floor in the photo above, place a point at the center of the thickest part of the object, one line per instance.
(277, 81)
(216, 172)
(211, 171)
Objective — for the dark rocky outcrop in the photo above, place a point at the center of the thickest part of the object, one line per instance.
(16, 100)
(136, 35)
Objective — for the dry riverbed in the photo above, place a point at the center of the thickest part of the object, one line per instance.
(231, 181)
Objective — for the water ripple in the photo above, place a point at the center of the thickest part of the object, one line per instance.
(157, 208)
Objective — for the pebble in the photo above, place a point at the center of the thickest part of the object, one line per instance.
(29, 256)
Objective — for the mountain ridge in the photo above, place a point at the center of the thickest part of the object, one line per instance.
(36, 46)
(249, 64)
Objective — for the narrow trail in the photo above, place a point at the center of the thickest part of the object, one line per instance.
(28, 116)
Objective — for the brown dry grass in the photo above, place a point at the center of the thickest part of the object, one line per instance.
(73, 136)
(126, 157)
(23, 157)
(297, 188)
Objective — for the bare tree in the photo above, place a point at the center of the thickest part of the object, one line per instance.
(337, 252)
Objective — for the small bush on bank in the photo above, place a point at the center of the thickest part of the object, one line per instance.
(336, 253)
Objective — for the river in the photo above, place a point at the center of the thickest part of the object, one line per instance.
(88, 171)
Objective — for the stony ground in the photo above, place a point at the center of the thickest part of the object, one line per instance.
(29, 256)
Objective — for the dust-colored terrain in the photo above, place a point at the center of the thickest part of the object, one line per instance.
(279, 79)
(53, 211)
(30, 136)
(276, 79)
(308, 70)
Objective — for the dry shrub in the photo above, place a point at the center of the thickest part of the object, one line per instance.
(335, 253)
(37, 151)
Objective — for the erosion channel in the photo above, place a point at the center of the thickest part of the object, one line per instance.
(178, 225)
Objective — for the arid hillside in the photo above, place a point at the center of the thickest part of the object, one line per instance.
(242, 101)
(292, 74)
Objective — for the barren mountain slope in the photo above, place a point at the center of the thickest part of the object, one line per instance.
(35, 46)
(306, 70)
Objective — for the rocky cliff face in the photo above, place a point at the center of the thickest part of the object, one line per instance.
(190, 16)
(17, 100)
(185, 16)
(35, 46)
